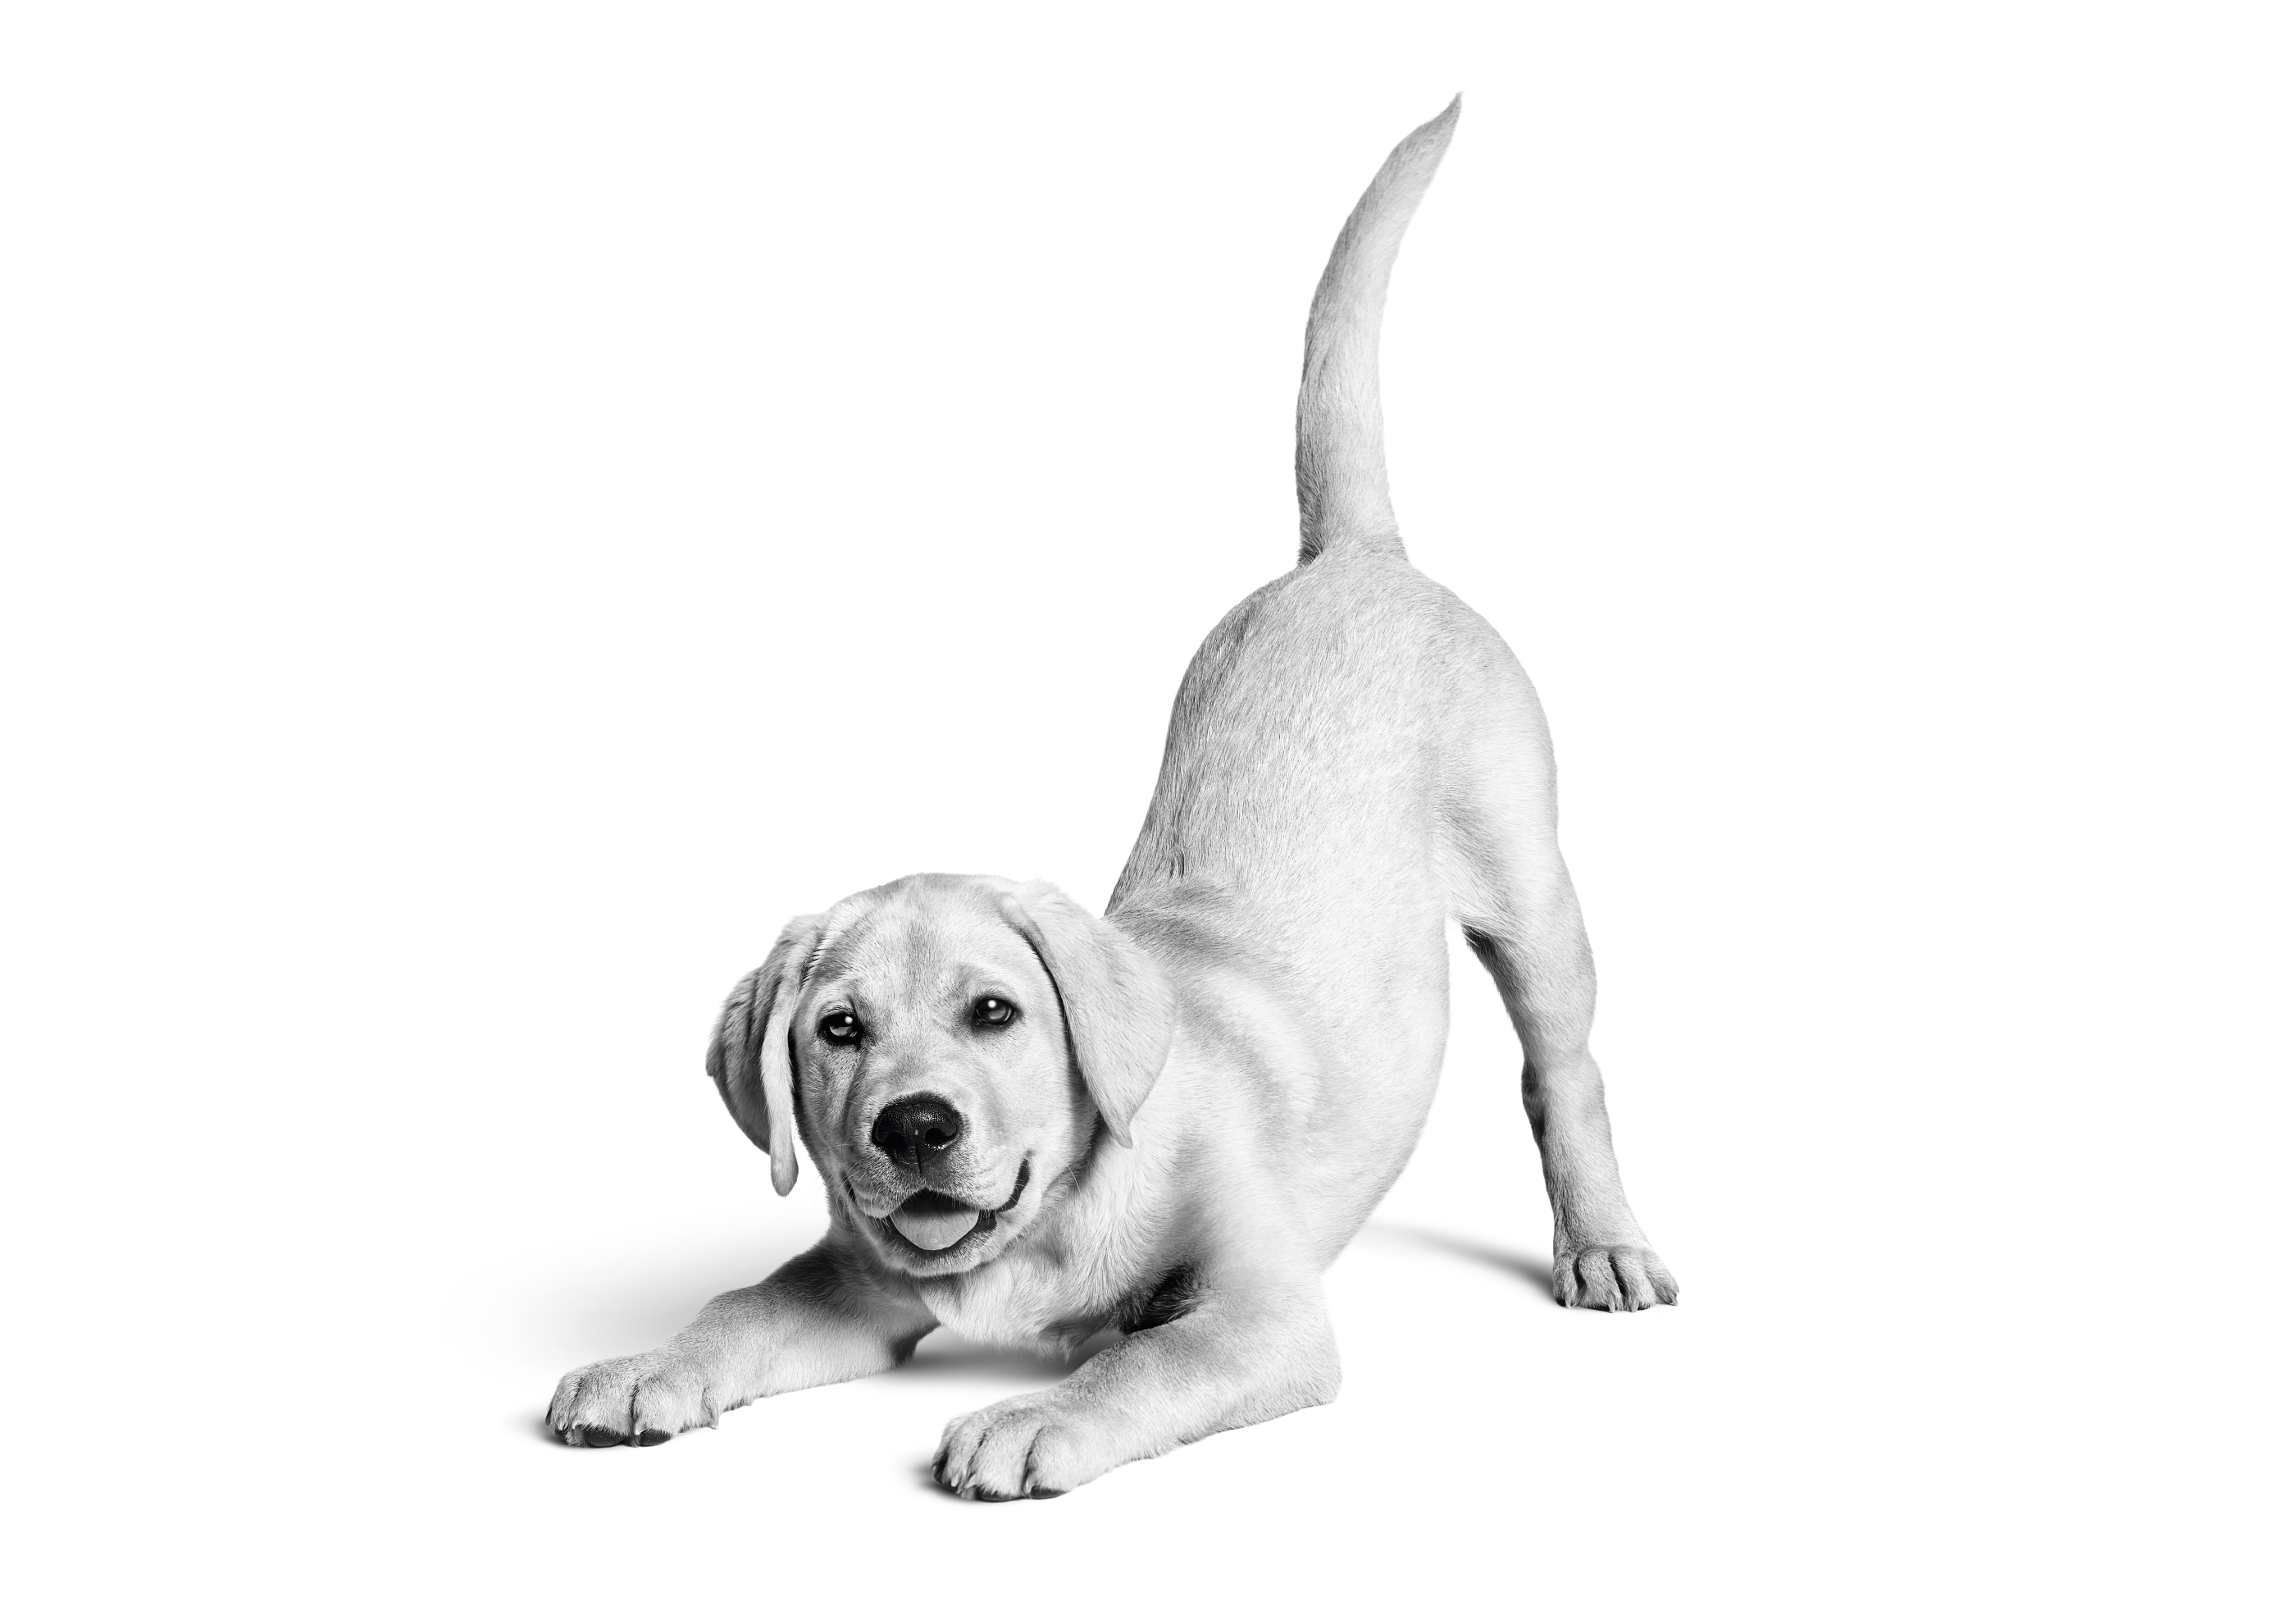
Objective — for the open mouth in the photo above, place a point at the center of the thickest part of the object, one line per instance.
(930, 1221)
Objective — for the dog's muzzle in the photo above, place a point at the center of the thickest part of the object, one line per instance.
(930, 1221)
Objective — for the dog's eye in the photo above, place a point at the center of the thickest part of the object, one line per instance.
(992, 1012)
(840, 1027)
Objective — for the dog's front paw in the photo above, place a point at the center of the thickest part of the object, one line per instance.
(646, 1399)
(1618, 1277)
(1024, 1448)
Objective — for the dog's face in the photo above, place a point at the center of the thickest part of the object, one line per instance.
(948, 1047)
(934, 1087)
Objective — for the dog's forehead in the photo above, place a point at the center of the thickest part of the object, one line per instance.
(922, 938)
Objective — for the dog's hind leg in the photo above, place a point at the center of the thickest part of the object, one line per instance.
(1513, 897)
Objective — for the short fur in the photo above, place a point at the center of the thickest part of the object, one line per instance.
(1205, 1093)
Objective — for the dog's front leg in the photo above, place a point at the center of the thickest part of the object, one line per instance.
(817, 1319)
(1234, 1356)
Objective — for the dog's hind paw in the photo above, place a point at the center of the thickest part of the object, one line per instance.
(1619, 1278)
(1020, 1450)
(644, 1400)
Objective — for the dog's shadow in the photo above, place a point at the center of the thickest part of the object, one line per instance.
(944, 1355)
(1523, 1265)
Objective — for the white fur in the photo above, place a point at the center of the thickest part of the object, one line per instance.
(1204, 1094)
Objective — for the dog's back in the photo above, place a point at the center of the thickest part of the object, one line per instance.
(1354, 756)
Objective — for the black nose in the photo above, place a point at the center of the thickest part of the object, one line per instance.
(917, 1129)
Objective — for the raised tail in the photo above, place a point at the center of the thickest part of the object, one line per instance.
(1341, 460)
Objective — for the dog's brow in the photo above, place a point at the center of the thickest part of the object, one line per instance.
(967, 973)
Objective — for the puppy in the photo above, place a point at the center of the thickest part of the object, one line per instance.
(1035, 1125)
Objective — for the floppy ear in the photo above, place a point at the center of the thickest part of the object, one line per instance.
(1115, 1000)
(750, 1051)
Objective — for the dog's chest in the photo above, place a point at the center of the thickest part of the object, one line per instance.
(1014, 1303)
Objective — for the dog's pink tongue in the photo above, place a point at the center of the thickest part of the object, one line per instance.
(935, 1230)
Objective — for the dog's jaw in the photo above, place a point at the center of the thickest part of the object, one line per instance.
(928, 1234)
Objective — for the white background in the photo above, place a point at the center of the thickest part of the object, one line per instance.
(506, 504)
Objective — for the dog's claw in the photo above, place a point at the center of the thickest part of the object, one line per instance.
(646, 1401)
(1025, 1448)
(1621, 1278)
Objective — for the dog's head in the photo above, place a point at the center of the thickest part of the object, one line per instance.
(947, 1046)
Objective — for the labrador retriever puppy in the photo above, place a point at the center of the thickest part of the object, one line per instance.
(1036, 1125)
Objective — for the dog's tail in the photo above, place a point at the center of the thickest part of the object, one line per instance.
(1341, 461)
